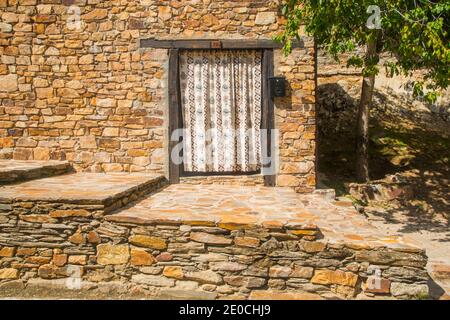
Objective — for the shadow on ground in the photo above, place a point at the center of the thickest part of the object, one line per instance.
(411, 143)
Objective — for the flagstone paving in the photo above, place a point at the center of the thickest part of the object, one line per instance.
(244, 206)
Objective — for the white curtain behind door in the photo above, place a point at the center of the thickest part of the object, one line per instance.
(221, 107)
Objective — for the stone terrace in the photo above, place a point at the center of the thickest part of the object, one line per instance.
(190, 241)
(240, 207)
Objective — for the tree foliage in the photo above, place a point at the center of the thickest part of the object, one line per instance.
(414, 33)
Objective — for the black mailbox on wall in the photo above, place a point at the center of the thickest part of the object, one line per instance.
(277, 86)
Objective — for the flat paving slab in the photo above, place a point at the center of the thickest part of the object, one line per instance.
(248, 206)
(83, 188)
(12, 171)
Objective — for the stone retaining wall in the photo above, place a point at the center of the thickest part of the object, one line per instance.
(188, 260)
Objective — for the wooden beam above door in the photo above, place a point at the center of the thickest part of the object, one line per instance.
(216, 44)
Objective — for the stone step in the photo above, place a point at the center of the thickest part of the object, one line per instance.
(91, 192)
(15, 171)
(234, 180)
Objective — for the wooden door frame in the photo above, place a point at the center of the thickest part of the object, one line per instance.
(268, 112)
(175, 116)
(175, 113)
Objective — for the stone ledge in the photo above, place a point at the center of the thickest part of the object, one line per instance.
(280, 295)
(219, 249)
(59, 289)
(80, 188)
(14, 171)
(224, 222)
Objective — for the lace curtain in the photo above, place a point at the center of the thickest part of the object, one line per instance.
(221, 107)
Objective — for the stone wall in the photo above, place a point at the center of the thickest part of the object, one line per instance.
(296, 119)
(44, 245)
(94, 98)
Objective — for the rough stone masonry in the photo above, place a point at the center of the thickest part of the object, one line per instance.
(91, 96)
(42, 245)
